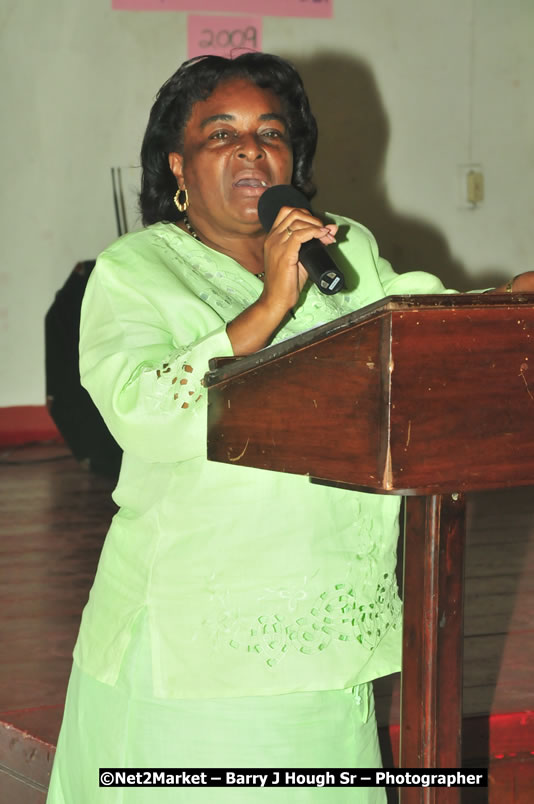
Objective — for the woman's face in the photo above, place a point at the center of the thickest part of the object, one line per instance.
(236, 144)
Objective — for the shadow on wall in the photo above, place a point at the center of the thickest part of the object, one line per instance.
(349, 169)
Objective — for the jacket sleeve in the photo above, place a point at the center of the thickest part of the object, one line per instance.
(376, 273)
(411, 282)
(143, 353)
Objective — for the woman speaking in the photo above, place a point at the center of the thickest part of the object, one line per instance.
(238, 616)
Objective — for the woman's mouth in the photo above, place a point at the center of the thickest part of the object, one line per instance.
(261, 183)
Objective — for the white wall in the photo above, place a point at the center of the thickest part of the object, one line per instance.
(404, 92)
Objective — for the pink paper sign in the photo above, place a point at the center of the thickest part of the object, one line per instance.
(266, 8)
(222, 36)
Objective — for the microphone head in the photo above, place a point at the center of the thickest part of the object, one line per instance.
(274, 198)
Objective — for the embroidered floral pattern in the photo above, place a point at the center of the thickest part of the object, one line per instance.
(224, 291)
(366, 543)
(338, 615)
(174, 382)
(321, 311)
(228, 293)
(292, 596)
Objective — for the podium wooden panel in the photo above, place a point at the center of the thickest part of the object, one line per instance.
(426, 396)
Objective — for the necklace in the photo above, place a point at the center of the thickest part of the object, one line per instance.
(192, 232)
(190, 228)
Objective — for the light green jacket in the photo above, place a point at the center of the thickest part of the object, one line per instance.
(254, 582)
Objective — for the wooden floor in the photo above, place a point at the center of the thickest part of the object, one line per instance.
(54, 517)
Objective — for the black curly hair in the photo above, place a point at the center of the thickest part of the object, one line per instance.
(195, 80)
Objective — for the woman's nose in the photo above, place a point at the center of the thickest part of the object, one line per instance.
(249, 148)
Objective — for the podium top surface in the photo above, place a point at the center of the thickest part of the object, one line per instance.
(221, 369)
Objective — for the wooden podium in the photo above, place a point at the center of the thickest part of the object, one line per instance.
(425, 396)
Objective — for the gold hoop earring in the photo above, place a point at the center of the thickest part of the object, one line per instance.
(182, 205)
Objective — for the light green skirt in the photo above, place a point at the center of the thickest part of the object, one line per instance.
(124, 726)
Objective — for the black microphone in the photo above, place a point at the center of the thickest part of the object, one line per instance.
(313, 255)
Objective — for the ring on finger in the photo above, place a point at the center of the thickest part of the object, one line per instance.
(289, 229)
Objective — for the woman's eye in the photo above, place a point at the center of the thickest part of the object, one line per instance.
(272, 133)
